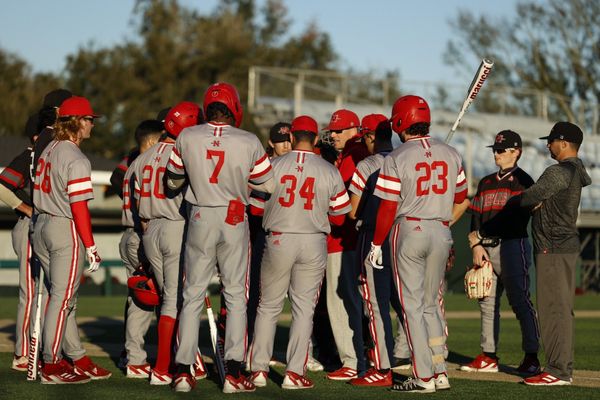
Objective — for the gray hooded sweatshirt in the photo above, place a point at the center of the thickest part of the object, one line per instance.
(559, 191)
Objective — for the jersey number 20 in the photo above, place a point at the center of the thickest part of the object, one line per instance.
(424, 180)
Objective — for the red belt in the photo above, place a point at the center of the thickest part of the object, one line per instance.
(445, 223)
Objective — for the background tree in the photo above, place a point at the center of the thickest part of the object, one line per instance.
(552, 47)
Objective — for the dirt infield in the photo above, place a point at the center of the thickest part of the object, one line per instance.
(507, 372)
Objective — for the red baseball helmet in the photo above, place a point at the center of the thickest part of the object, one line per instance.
(343, 119)
(370, 122)
(409, 110)
(144, 290)
(305, 123)
(181, 116)
(228, 95)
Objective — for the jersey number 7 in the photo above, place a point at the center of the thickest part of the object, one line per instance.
(220, 156)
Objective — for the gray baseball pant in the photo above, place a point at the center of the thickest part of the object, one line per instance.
(294, 264)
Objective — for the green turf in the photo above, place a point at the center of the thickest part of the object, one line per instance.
(14, 386)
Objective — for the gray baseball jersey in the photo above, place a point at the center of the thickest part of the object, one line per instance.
(62, 177)
(129, 205)
(149, 171)
(364, 170)
(308, 189)
(422, 176)
(219, 160)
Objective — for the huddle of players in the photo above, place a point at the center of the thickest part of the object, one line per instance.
(185, 192)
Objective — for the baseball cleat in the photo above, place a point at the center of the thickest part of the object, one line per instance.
(414, 385)
(85, 366)
(240, 384)
(342, 374)
(401, 364)
(141, 371)
(481, 363)
(259, 378)
(373, 378)
(294, 381)
(184, 382)
(160, 378)
(545, 379)
(61, 373)
(19, 363)
(441, 381)
(200, 371)
(529, 366)
(314, 365)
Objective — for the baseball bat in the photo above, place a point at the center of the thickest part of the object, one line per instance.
(482, 73)
(34, 340)
(214, 336)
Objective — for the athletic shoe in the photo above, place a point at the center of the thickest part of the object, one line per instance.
(184, 382)
(141, 371)
(314, 365)
(413, 385)
(342, 374)
(85, 366)
(61, 373)
(160, 378)
(530, 366)
(19, 363)
(200, 372)
(545, 379)
(294, 381)
(481, 363)
(373, 378)
(441, 381)
(259, 378)
(240, 384)
(123, 361)
(401, 364)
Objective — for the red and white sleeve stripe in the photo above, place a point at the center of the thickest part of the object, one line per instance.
(388, 184)
(358, 183)
(261, 167)
(339, 201)
(176, 163)
(80, 186)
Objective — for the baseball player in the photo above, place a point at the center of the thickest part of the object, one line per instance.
(15, 192)
(344, 303)
(418, 185)
(377, 286)
(62, 236)
(295, 258)
(220, 161)
(137, 319)
(279, 140)
(510, 255)
(163, 221)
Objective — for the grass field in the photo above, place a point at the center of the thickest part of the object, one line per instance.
(463, 343)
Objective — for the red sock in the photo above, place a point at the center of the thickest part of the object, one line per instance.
(166, 327)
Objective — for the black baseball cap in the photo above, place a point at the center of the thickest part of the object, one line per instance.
(567, 131)
(162, 114)
(280, 132)
(56, 97)
(507, 139)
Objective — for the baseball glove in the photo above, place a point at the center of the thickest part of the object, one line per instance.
(478, 281)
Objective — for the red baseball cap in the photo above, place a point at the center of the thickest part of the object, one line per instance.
(76, 106)
(305, 123)
(370, 122)
(343, 119)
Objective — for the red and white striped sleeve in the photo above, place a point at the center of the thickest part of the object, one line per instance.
(79, 183)
(262, 171)
(175, 164)
(357, 185)
(461, 186)
(388, 184)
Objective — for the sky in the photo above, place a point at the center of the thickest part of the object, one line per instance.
(376, 35)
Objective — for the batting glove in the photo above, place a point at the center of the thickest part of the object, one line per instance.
(93, 258)
(375, 257)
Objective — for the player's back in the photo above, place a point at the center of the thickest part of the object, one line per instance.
(429, 171)
(150, 168)
(62, 177)
(219, 161)
(306, 190)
